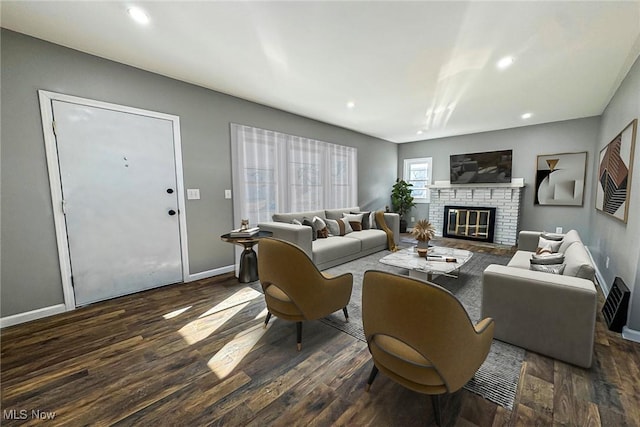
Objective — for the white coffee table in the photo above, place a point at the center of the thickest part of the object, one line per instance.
(434, 264)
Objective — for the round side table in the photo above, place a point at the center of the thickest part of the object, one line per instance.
(249, 259)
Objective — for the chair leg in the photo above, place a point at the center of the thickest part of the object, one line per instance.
(435, 401)
(299, 334)
(346, 313)
(372, 376)
(266, 321)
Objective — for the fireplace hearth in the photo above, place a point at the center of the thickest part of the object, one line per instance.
(469, 223)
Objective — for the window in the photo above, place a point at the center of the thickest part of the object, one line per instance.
(418, 173)
(275, 172)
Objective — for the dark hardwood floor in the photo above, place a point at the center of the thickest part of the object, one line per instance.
(197, 354)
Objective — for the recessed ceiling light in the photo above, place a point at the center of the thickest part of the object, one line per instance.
(138, 15)
(351, 105)
(526, 116)
(505, 62)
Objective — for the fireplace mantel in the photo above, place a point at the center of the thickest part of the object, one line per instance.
(515, 183)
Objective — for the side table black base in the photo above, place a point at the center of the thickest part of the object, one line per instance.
(248, 266)
(248, 259)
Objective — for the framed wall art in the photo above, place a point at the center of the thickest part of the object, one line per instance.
(560, 179)
(615, 162)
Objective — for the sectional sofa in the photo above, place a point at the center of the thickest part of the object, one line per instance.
(334, 249)
(550, 314)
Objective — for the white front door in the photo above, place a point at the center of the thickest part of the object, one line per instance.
(118, 179)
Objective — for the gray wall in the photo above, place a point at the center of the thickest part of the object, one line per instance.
(527, 143)
(30, 271)
(612, 238)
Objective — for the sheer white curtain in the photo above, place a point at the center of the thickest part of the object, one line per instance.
(276, 172)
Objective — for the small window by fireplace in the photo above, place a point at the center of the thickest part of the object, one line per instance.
(469, 222)
(417, 172)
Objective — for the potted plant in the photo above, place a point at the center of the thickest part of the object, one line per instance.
(402, 201)
(423, 231)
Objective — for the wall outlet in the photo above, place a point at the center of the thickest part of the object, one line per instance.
(193, 194)
(559, 230)
(606, 263)
(227, 194)
(413, 219)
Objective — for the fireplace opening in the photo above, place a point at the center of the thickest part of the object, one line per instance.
(469, 222)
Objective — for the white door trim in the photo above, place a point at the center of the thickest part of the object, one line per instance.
(46, 111)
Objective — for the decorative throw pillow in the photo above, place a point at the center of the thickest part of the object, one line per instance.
(309, 223)
(345, 227)
(372, 221)
(553, 268)
(552, 236)
(334, 228)
(354, 220)
(547, 246)
(319, 223)
(366, 217)
(296, 222)
(321, 227)
(547, 259)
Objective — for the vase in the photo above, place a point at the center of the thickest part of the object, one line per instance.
(422, 247)
(423, 244)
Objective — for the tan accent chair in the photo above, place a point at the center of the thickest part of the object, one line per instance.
(420, 335)
(294, 289)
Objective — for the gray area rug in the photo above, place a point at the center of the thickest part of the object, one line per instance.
(497, 378)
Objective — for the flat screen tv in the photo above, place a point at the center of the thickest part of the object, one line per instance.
(477, 168)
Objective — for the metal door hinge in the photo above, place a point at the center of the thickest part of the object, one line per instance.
(64, 207)
(53, 125)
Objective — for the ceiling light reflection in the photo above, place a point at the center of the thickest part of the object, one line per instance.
(138, 15)
(505, 62)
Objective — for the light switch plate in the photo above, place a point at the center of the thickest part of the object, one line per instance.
(559, 230)
(193, 194)
(227, 194)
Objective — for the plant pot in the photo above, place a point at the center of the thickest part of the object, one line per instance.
(423, 244)
(422, 252)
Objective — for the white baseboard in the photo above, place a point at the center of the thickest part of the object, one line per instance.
(61, 308)
(630, 334)
(601, 281)
(210, 273)
(32, 315)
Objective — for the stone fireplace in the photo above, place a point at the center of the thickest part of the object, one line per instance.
(470, 203)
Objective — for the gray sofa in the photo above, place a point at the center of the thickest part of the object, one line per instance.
(333, 250)
(550, 314)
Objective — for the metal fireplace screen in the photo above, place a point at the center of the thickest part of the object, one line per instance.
(469, 222)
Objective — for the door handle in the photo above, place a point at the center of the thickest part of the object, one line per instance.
(170, 190)
(172, 212)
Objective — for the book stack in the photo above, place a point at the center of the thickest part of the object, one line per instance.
(247, 232)
(441, 258)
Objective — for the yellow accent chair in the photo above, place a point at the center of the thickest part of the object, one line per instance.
(420, 335)
(294, 288)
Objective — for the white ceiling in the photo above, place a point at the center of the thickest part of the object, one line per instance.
(395, 60)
